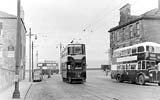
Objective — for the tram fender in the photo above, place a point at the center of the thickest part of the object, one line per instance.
(145, 77)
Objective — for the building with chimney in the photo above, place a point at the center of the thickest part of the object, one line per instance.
(8, 31)
(135, 29)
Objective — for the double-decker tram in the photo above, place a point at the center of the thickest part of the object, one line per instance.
(138, 63)
(73, 63)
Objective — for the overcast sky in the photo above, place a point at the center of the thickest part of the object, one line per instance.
(58, 21)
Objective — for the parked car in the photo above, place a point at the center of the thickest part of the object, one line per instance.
(37, 75)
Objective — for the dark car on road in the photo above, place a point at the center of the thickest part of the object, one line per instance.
(37, 75)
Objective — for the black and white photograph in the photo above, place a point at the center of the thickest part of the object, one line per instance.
(79, 49)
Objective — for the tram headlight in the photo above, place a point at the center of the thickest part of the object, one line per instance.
(150, 74)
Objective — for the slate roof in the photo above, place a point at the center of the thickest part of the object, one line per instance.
(6, 15)
(154, 12)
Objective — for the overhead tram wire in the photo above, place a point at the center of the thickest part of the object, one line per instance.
(103, 15)
(110, 17)
(100, 19)
(97, 21)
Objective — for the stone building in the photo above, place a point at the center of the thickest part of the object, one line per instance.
(8, 31)
(135, 29)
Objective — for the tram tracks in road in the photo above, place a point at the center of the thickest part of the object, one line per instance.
(98, 94)
(84, 91)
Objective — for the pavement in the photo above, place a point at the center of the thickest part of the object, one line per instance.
(24, 87)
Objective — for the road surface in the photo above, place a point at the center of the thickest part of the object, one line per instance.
(97, 87)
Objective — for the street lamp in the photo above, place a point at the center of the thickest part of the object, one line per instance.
(60, 50)
(32, 55)
(16, 93)
(30, 49)
(30, 45)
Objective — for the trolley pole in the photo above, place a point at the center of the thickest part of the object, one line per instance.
(16, 93)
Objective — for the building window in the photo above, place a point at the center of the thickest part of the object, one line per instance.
(118, 37)
(1, 51)
(115, 36)
(137, 29)
(1, 29)
(131, 31)
(126, 33)
(111, 37)
(123, 34)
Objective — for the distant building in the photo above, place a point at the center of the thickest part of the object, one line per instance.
(8, 31)
(135, 29)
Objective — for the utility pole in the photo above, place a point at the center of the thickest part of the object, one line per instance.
(16, 93)
(30, 55)
(37, 58)
(32, 61)
(30, 47)
(60, 50)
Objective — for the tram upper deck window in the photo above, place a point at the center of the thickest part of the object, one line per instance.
(70, 50)
(140, 49)
(78, 49)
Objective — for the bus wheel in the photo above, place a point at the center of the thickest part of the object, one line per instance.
(119, 79)
(141, 80)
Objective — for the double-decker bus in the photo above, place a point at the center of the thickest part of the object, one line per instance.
(73, 63)
(138, 63)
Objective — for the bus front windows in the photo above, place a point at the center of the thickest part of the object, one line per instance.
(150, 65)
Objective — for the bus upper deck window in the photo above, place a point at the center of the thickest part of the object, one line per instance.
(133, 50)
(150, 48)
(140, 49)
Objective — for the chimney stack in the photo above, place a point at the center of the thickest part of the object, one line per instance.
(125, 13)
